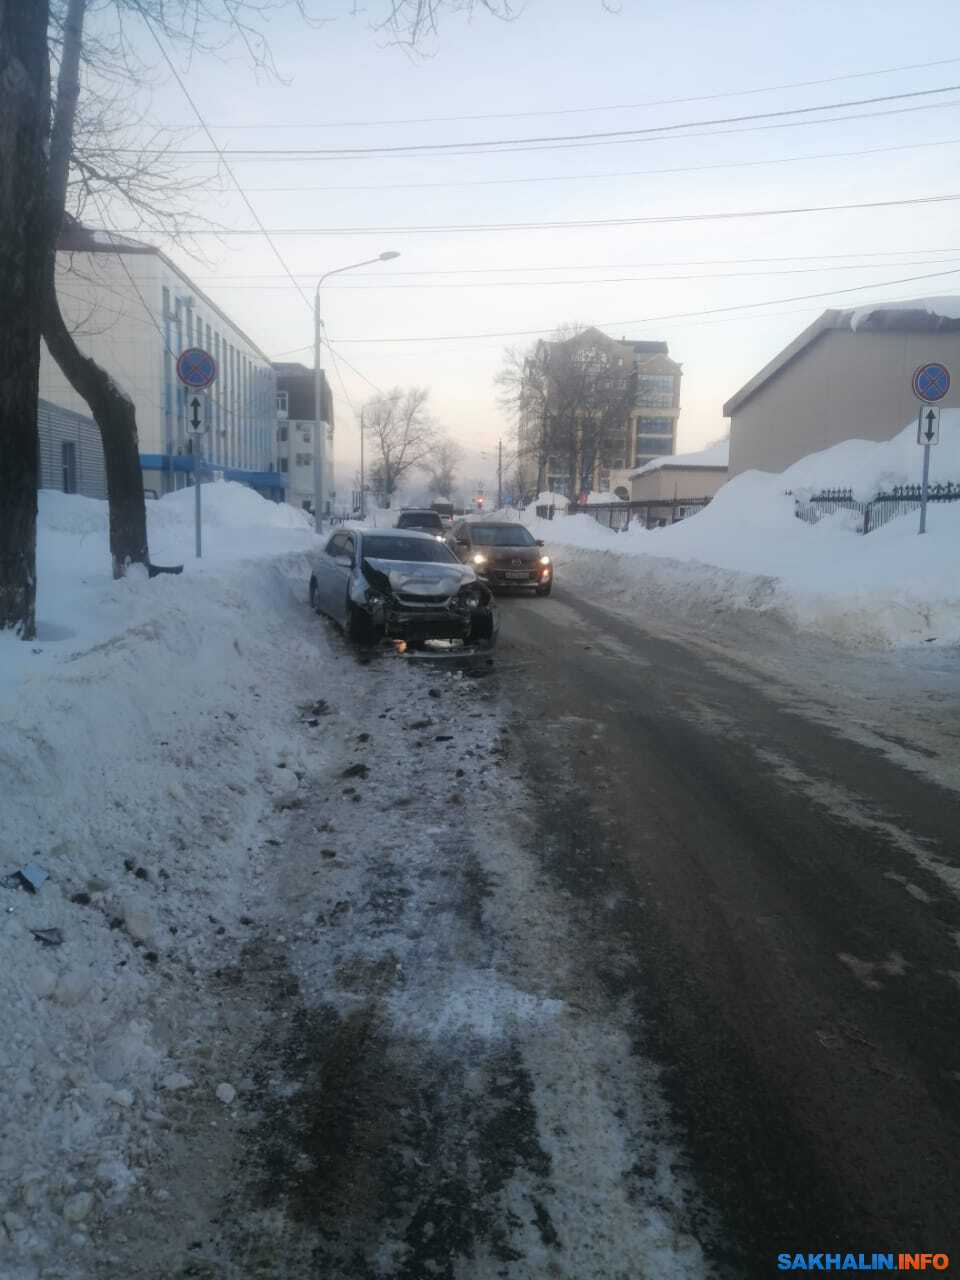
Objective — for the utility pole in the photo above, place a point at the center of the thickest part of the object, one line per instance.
(363, 483)
(499, 474)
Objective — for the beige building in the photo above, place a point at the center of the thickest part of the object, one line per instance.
(687, 475)
(847, 376)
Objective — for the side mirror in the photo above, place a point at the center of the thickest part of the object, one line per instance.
(539, 542)
(462, 543)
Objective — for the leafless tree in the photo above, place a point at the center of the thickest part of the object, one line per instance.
(402, 433)
(570, 399)
(441, 466)
(24, 129)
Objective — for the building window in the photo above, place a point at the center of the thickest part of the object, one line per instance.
(68, 458)
(282, 433)
(282, 464)
(655, 426)
(304, 459)
(305, 432)
(654, 446)
(655, 390)
(282, 404)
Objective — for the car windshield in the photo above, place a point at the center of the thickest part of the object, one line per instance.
(501, 535)
(417, 549)
(419, 520)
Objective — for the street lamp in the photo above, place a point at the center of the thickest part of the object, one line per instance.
(320, 444)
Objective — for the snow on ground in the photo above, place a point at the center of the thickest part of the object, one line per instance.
(140, 741)
(747, 552)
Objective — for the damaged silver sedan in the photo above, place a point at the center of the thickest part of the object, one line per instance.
(392, 585)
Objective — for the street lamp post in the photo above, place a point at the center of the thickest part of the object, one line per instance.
(320, 444)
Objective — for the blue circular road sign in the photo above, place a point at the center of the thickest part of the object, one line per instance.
(931, 382)
(196, 368)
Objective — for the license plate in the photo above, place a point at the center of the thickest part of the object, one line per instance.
(524, 576)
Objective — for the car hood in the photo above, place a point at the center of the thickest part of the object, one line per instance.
(526, 554)
(419, 578)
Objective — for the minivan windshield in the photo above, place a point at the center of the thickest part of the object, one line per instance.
(502, 535)
(387, 547)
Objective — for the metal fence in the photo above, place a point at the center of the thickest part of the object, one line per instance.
(649, 513)
(901, 500)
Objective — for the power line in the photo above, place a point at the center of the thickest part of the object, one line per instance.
(680, 315)
(610, 266)
(546, 284)
(627, 106)
(233, 177)
(536, 142)
(624, 173)
(575, 224)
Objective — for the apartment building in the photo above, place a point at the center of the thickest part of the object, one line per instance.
(296, 435)
(133, 310)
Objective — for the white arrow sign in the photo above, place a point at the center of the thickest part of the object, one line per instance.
(928, 425)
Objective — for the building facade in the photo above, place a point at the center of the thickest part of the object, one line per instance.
(646, 420)
(71, 454)
(133, 310)
(687, 475)
(846, 377)
(296, 434)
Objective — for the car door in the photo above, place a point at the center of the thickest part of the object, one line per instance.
(342, 562)
(461, 542)
(326, 573)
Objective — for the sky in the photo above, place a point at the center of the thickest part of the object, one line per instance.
(726, 293)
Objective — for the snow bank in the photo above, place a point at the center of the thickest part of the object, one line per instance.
(748, 552)
(140, 741)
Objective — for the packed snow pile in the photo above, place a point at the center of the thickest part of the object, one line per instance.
(715, 455)
(747, 551)
(948, 308)
(141, 738)
(548, 499)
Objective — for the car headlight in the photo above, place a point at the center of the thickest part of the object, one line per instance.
(472, 602)
(544, 559)
(439, 537)
(479, 559)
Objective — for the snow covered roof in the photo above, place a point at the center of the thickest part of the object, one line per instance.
(716, 457)
(911, 315)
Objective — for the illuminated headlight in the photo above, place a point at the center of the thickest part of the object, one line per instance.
(372, 597)
(439, 537)
(544, 559)
(472, 602)
(479, 559)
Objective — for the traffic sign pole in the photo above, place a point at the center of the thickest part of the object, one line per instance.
(197, 506)
(924, 487)
(197, 370)
(931, 382)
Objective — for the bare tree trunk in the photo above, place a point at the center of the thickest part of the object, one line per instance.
(113, 411)
(24, 116)
(116, 417)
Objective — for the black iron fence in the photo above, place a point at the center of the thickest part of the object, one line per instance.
(901, 500)
(649, 513)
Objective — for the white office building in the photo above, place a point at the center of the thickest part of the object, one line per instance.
(133, 310)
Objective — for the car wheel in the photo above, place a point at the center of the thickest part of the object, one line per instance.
(314, 596)
(359, 628)
(545, 591)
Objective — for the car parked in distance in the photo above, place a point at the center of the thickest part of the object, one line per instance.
(505, 553)
(392, 584)
(425, 521)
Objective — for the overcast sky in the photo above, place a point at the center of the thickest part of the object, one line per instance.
(604, 71)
